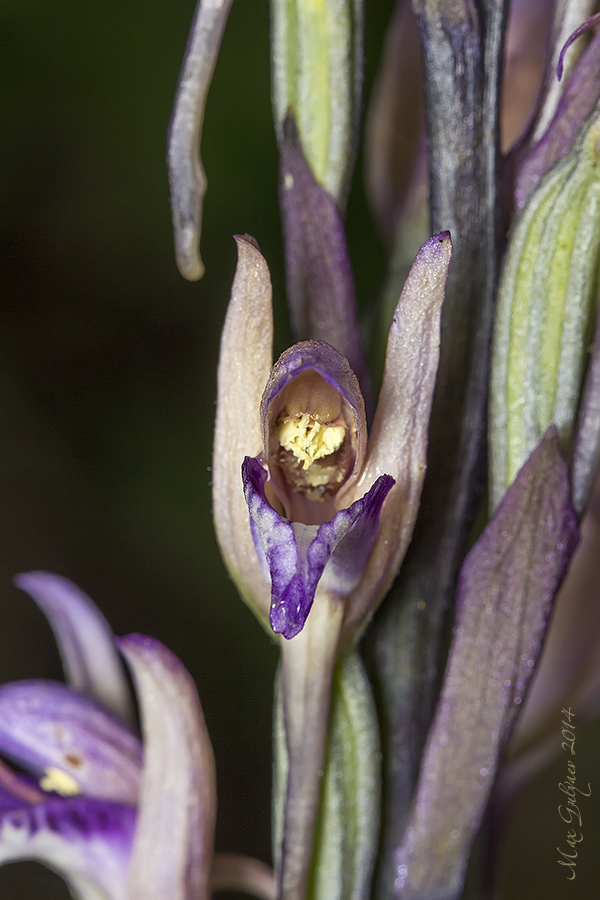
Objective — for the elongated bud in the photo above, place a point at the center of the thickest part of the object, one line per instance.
(317, 76)
(545, 304)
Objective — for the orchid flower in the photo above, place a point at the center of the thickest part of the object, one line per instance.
(117, 817)
(323, 512)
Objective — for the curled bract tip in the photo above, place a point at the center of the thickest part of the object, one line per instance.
(187, 180)
(585, 26)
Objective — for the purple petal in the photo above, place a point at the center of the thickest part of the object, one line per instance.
(88, 842)
(187, 180)
(333, 368)
(320, 286)
(48, 726)
(299, 555)
(576, 106)
(86, 643)
(505, 594)
(173, 847)
(398, 439)
(245, 361)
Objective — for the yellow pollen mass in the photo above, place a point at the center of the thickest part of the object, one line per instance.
(308, 439)
(59, 781)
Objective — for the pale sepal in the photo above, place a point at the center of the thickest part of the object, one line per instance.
(245, 362)
(173, 845)
(398, 441)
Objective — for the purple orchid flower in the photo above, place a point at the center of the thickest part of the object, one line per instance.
(324, 513)
(115, 817)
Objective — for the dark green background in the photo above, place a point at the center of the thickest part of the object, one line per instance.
(107, 368)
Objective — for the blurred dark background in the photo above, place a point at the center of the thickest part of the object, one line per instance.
(108, 357)
(107, 370)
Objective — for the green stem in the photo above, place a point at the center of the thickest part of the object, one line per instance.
(307, 671)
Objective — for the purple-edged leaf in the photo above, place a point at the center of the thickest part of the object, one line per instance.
(173, 846)
(578, 102)
(88, 842)
(45, 726)
(398, 440)
(320, 285)
(84, 637)
(300, 556)
(187, 180)
(505, 593)
(245, 361)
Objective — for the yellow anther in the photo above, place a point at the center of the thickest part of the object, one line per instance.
(59, 781)
(308, 439)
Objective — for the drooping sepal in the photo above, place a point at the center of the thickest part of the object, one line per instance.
(298, 556)
(187, 180)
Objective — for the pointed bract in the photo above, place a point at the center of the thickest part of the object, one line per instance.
(504, 599)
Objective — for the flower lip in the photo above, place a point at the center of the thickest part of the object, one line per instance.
(314, 429)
